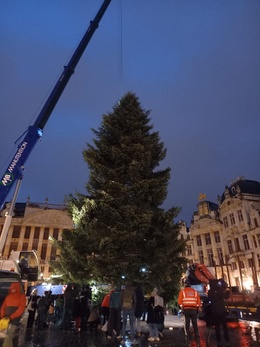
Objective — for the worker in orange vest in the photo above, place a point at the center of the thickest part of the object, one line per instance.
(189, 301)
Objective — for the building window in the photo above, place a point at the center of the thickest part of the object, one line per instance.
(16, 232)
(256, 223)
(44, 251)
(37, 232)
(210, 257)
(35, 244)
(232, 219)
(201, 257)
(241, 264)
(258, 259)
(240, 216)
(258, 239)
(220, 256)
(251, 262)
(217, 236)
(254, 240)
(53, 252)
(27, 232)
(13, 247)
(246, 243)
(25, 246)
(207, 239)
(46, 233)
(237, 245)
(56, 233)
(199, 242)
(188, 250)
(233, 266)
(230, 246)
(225, 222)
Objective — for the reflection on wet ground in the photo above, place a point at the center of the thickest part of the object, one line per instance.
(242, 334)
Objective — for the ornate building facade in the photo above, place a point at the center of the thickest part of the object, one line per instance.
(225, 236)
(33, 226)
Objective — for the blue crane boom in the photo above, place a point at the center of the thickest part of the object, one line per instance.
(34, 132)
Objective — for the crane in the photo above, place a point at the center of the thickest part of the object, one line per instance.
(14, 171)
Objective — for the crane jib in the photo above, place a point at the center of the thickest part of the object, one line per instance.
(34, 132)
(14, 170)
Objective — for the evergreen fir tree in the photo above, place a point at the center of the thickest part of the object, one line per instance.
(123, 230)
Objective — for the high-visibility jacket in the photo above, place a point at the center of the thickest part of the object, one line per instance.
(105, 302)
(189, 299)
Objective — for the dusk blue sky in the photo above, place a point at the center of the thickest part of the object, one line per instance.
(195, 64)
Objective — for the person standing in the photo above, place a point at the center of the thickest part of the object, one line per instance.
(85, 299)
(189, 301)
(128, 305)
(32, 307)
(217, 294)
(77, 313)
(58, 309)
(159, 313)
(68, 306)
(105, 308)
(41, 307)
(114, 319)
(153, 317)
(139, 308)
(13, 307)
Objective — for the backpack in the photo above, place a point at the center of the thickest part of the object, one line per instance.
(127, 299)
(41, 303)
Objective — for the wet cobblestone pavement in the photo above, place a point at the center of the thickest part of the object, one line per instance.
(242, 334)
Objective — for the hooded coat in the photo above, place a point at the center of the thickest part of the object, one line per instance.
(14, 304)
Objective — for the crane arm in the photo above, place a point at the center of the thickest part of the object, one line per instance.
(34, 132)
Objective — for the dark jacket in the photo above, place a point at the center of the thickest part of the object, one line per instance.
(155, 315)
(68, 296)
(217, 298)
(115, 298)
(139, 302)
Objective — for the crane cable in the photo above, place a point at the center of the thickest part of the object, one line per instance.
(120, 50)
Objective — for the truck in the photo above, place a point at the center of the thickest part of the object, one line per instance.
(239, 305)
(25, 263)
(14, 171)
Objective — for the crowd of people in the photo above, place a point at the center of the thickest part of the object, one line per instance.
(128, 303)
(60, 309)
(75, 310)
